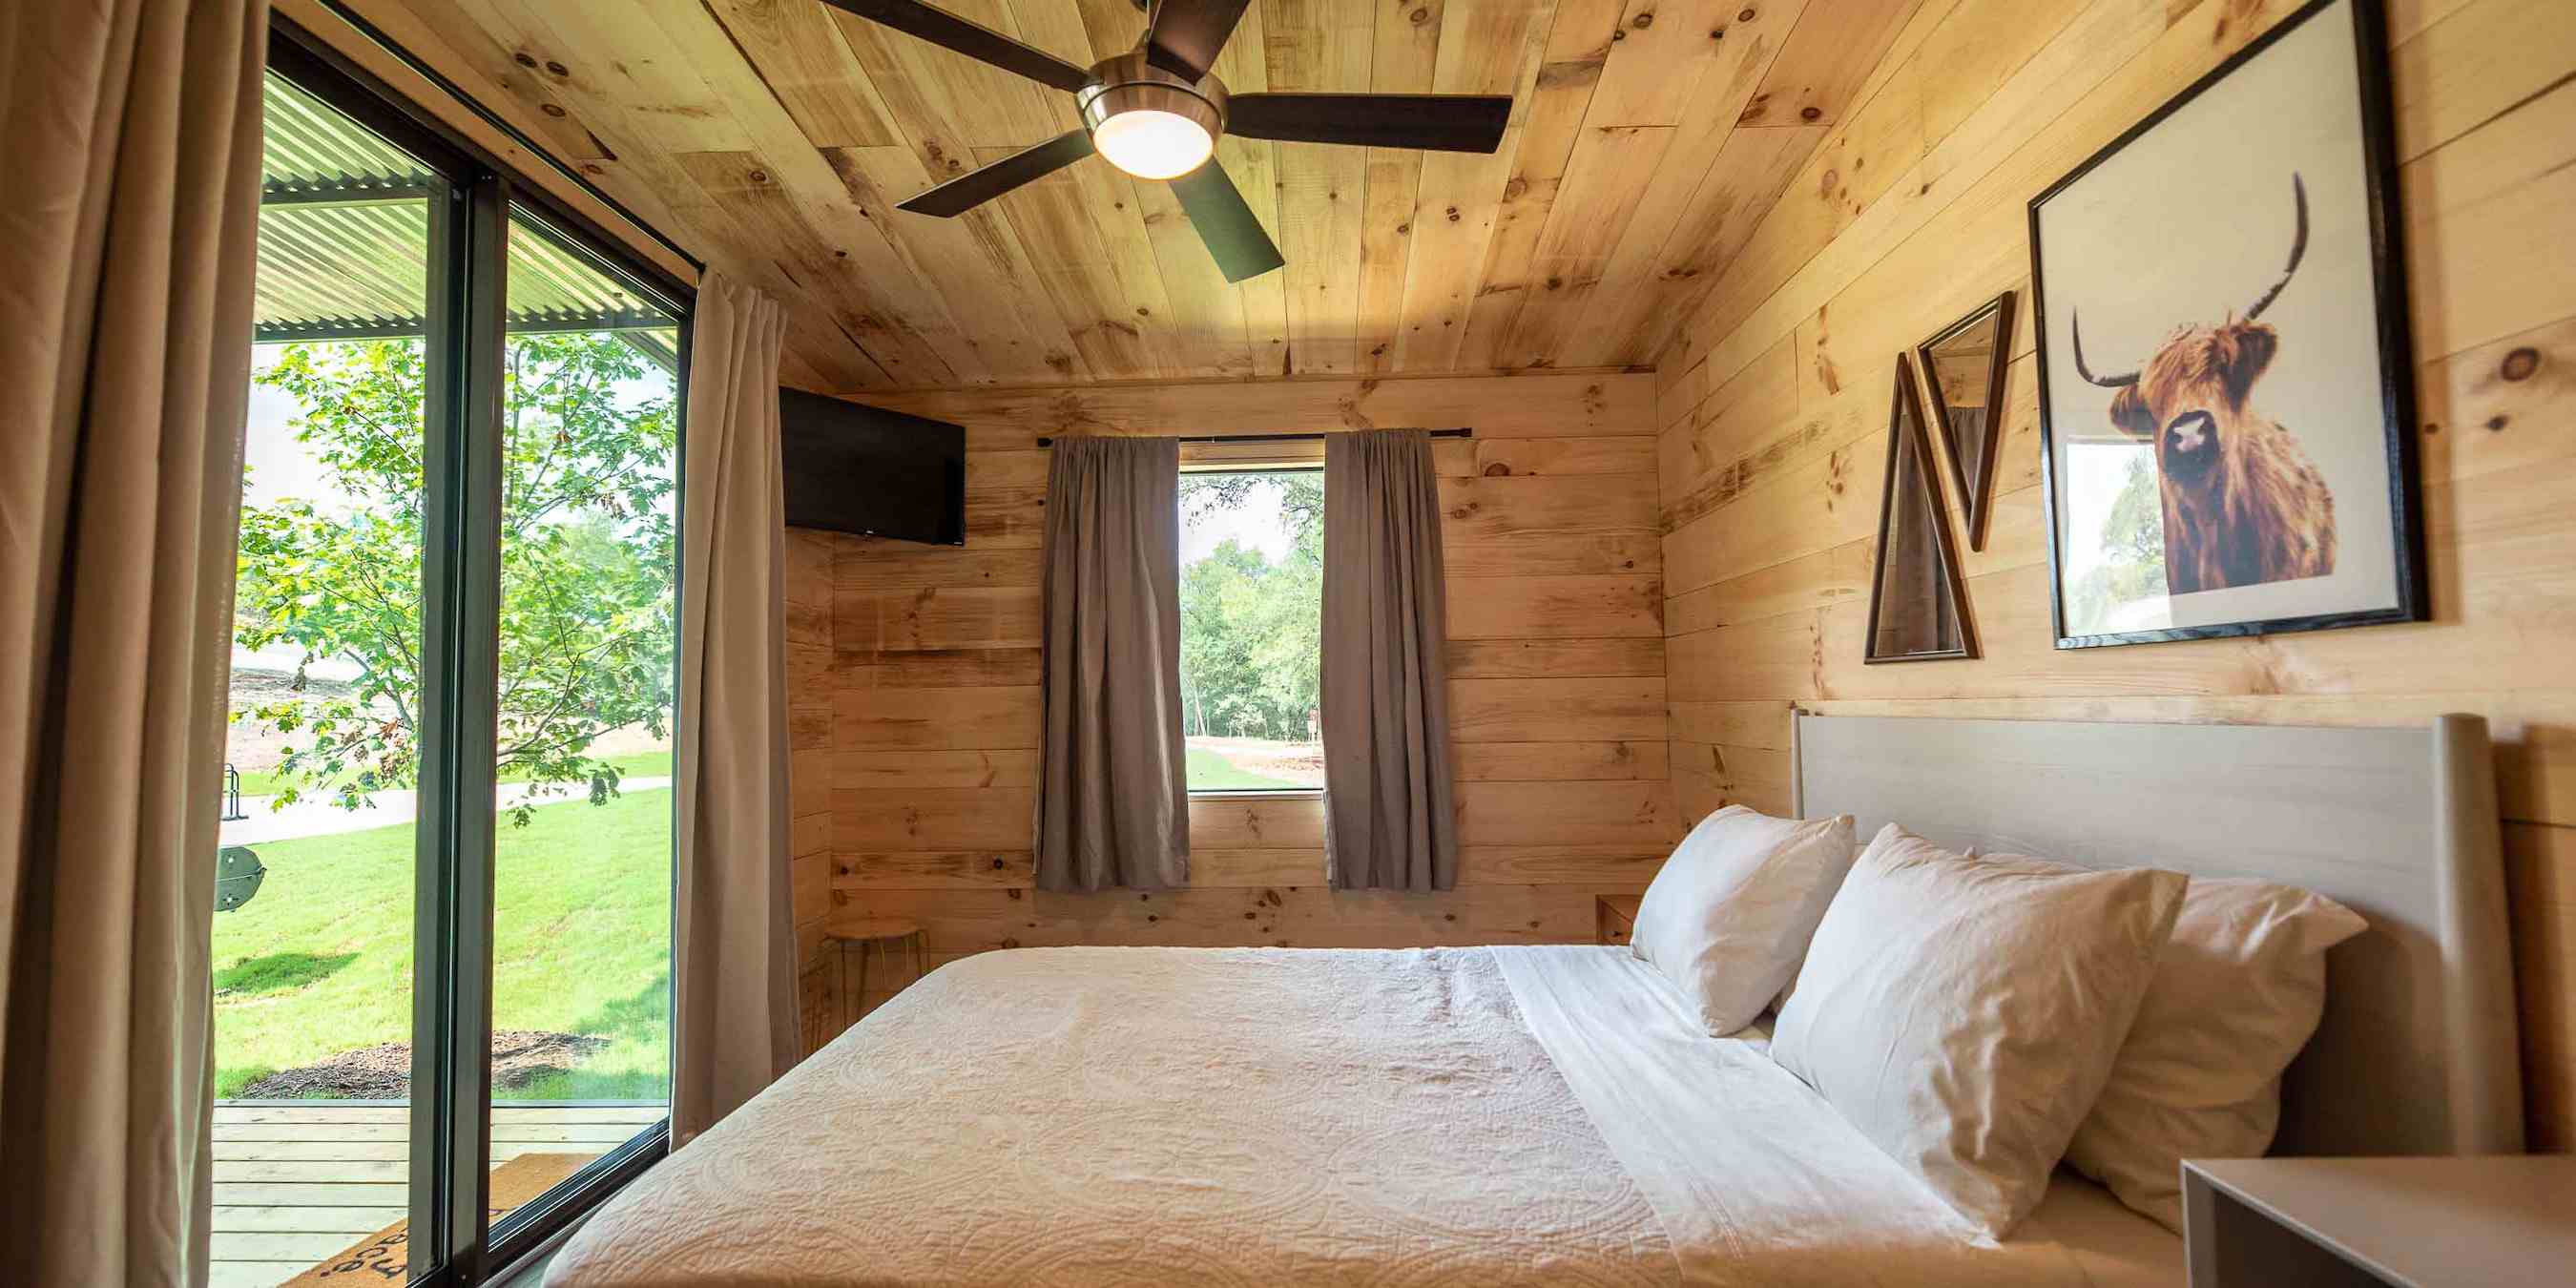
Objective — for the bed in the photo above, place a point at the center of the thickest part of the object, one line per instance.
(1552, 1114)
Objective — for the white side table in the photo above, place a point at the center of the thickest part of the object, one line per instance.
(2370, 1222)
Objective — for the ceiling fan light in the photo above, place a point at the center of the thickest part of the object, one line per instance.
(1151, 144)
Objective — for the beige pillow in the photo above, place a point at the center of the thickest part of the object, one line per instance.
(1963, 1013)
(2237, 993)
(1728, 916)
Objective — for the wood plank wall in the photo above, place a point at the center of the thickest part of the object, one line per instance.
(915, 701)
(1774, 397)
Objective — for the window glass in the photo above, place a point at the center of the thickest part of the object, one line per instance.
(1252, 580)
(313, 934)
(582, 845)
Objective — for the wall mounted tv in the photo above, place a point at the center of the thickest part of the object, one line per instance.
(870, 471)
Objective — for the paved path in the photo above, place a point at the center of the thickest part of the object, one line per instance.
(320, 816)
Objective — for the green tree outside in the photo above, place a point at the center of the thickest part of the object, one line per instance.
(588, 548)
(2133, 552)
(1251, 629)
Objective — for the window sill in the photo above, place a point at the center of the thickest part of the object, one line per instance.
(1256, 793)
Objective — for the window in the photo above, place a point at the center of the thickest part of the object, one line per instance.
(442, 933)
(1252, 585)
(582, 841)
(314, 931)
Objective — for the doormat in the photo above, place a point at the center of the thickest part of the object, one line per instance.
(384, 1257)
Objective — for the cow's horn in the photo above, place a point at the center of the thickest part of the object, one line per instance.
(2298, 250)
(2075, 323)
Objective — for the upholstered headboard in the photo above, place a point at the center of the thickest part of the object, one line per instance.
(2417, 1053)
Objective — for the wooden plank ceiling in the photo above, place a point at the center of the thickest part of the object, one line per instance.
(773, 137)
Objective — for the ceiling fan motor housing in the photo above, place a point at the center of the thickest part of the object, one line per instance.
(1128, 83)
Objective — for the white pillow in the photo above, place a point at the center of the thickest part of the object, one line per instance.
(1963, 1013)
(2237, 993)
(1729, 915)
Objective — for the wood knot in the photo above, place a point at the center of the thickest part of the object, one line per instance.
(551, 109)
(1617, 36)
(1419, 16)
(1453, 214)
(759, 176)
(1497, 470)
(557, 69)
(2497, 422)
(1643, 20)
(1403, 229)
(2520, 364)
(523, 59)
(1810, 113)
(1745, 14)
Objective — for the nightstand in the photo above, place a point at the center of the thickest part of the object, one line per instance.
(2372, 1222)
(1615, 916)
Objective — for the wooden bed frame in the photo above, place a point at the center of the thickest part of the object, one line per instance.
(2417, 1053)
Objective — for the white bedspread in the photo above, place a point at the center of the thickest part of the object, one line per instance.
(1114, 1116)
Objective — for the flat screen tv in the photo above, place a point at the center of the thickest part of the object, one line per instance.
(871, 471)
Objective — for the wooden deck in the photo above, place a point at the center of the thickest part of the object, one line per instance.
(298, 1182)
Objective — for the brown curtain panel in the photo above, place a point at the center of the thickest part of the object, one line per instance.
(127, 250)
(735, 1004)
(1390, 817)
(1113, 807)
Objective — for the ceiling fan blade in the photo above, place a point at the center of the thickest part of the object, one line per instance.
(1232, 232)
(1440, 122)
(975, 187)
(1187, 35)
(983, 44)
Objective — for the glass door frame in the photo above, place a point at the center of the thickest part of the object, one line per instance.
(452, 1244)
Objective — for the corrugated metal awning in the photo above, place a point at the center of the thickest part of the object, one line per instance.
(344, 242)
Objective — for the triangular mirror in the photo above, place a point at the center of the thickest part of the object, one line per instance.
(1918, 606)
(1963, 367)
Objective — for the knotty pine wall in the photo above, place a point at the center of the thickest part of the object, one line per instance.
(914, 698)
(1774, 403)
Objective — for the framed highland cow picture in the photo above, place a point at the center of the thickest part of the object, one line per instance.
(2225, 382)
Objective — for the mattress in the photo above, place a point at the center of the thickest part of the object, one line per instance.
(1397, 1119)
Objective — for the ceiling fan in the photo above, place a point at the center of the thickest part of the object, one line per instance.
(1156, 111)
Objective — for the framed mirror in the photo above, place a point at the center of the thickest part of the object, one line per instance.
(1918, 602)
(1963, 368)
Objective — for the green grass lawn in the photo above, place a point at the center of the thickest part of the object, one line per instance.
(321, 961)
(1209, 771)
(632, 764)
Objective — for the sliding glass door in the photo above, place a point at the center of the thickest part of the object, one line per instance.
(314, 921)
(442, 933)
(582, 839)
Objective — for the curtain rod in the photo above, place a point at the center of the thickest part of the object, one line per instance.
(1286, 438)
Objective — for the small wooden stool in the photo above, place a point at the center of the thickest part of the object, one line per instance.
(883, 934)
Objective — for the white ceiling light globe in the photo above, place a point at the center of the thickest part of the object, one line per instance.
(1150, 144)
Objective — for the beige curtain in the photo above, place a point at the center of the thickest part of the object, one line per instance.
(735, 972)
(1390, 816)
(1113, 806)
(128, 225)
